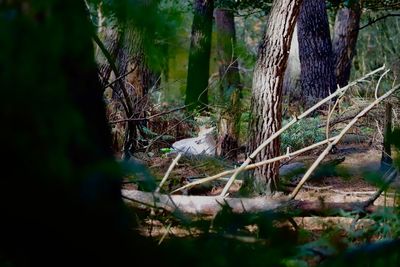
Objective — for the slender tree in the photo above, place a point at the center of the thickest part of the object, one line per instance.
(315, 52)
(230, 87)
(267, 88)
(199, 55)
(344, 41)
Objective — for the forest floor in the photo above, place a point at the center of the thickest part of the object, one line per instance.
(349, 183)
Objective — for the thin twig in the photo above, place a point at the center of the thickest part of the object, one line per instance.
(376, 20)
(150, 117)
(171, 167)
(337, 139)
(120, 77)
(284, 128)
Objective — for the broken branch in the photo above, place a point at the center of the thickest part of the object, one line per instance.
(337, 139)
(293, 121)
(255, 165)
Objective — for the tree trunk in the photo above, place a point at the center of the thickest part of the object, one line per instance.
(111, 38)
(386, 160)
(267, 88)
(230, 87)
(140, 79)
(345, 40)
(57, 142)
(315, 51)
(199, 55)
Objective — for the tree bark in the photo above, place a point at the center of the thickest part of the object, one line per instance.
(111, 38)
(267, 89)
(199, 55)
(131, 59)
(315, 52)
(344, 41)
(230, 87)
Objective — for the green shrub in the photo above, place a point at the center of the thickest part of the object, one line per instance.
(301, 134)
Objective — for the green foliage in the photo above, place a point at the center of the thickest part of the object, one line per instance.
(377, 45)
(303, 133)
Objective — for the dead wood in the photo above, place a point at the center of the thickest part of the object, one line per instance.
(210, 206)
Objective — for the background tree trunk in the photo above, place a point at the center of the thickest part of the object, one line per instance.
(315, 51)
(344, 41)
(291, 80)
(267, 88)
(199, 55)
(228, 125)
(138, 82)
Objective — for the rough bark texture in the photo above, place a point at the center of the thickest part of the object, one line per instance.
(199, 55)
(131, 59)
(315, 52)
(345, 40)
(267, 87)
(110, 37)
(228, 125)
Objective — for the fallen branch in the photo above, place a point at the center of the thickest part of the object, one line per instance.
(293, 121)
(337, 139)
(210, 206)
(255, 165)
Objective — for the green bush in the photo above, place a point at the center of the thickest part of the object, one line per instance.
(301, 134)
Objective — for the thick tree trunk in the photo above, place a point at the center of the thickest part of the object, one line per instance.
(228, 125)
(137, 83)
(345, 40)
(111, 38)
(315, 51)
(199, 55)
(57, 142)
(267, 88)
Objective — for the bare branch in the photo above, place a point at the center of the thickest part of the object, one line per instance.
(337, 139)
(284, 128)
(376, 20)
(255, 165)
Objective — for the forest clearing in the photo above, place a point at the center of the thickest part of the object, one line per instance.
(201, 132)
